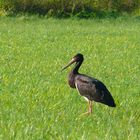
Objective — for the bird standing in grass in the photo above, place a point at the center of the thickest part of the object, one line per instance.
(90, 88)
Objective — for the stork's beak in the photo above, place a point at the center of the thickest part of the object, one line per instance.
(71, 62)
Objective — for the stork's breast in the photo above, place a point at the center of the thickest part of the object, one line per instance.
(71, 83)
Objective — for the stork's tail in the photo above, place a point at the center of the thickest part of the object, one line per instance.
(108, 100)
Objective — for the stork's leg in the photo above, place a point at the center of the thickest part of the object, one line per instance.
(89, 108)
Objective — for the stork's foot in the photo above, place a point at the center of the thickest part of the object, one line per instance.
(86, 113)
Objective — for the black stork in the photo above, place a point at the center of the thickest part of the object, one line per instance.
(90, 88)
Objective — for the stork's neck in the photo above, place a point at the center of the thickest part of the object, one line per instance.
(73, 73)
(76, 67)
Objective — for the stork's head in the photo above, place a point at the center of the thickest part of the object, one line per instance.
(77, 58)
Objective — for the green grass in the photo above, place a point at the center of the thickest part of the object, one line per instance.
(36, 102)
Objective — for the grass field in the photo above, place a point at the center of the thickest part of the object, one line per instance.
(36, 102)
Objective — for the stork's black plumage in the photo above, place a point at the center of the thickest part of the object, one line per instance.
(91, 88)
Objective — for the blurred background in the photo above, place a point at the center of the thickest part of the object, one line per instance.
(68, 8)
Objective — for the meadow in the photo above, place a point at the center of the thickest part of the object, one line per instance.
(36, 102)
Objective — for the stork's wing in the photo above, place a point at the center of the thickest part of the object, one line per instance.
(93, 89)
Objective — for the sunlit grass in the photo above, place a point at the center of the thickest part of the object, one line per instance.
(35, 99)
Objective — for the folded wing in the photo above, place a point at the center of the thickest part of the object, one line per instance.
(94, 89)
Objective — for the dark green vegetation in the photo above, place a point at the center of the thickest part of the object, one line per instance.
(69, 8)
(35, 99)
